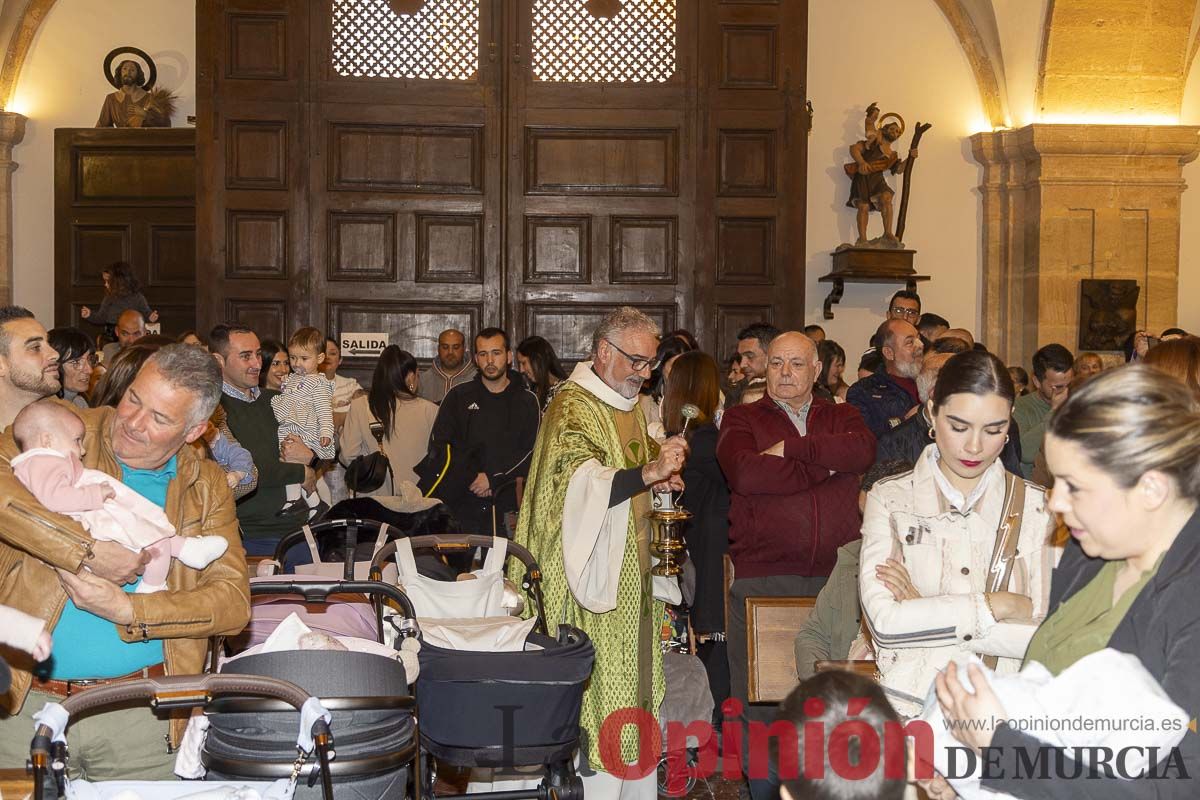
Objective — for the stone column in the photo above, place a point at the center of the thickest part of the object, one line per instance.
(1066, 202)
(12, 131)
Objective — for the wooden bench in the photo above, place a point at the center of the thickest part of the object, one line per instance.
(771, 627)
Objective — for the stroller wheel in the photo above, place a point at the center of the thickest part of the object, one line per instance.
(428, 775)
(674, 779)
(572, 789)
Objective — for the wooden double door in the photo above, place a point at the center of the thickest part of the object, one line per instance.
(412, 165)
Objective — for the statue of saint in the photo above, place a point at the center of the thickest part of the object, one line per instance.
(873, 155)
(133, 104)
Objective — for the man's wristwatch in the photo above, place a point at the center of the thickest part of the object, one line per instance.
(316, 460)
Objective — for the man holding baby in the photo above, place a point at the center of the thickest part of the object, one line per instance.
(83, 588)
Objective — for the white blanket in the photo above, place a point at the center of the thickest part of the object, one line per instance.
(1107, 691)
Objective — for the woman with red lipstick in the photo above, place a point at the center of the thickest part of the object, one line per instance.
(1125, 454)
(930, 536)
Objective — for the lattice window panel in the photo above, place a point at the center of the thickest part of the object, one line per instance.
(637, 45)
(439, 42)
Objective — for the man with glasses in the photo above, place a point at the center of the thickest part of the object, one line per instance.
(584, 519)
(904, 305)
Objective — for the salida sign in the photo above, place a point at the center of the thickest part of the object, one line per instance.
(363, 344)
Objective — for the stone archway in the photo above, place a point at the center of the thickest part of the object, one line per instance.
(12, 128)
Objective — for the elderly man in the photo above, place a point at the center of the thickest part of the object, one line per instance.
(249, 415)
(131, 326)
(450, 367)
(907, 440)
(584, 519)
(102, 633)
(889, 396)
(28, 364)
(793, 461)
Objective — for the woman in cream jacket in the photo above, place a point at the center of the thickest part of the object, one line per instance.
(928, 537)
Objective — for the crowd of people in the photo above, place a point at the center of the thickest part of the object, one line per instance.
(940, 506)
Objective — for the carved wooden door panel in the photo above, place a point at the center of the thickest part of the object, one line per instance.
(252, 249)
(527, 163)
(751, 165)
(405, 170)
(600, 197)
(125, 195)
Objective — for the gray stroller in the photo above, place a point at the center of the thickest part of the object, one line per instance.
(49, 754)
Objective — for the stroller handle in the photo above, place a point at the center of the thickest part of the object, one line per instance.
(183, 691)
(296, 537)
(318, 591)
(447, 541)
(442, 542)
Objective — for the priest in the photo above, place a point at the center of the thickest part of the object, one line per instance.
(585, 520)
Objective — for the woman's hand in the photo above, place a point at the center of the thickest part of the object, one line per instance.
(894, 576)
(938, 788)
(971, 718)
(1010, 606)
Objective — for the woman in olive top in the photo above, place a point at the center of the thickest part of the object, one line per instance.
(1125, 454)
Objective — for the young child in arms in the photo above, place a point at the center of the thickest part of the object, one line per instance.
(304, 408)
(50, 466)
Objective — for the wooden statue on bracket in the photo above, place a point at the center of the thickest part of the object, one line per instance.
(136, 103)
(869, 190)
(883, 259)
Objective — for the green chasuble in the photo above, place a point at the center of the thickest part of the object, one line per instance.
(1084, 624)
(579, 426)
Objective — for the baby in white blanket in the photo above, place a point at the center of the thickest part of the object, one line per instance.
(1109, 689)
(51, 468)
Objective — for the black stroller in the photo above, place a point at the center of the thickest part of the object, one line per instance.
(503, 709)
(48, 758)
(374, 714)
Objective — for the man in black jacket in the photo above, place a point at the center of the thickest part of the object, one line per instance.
(492, 423)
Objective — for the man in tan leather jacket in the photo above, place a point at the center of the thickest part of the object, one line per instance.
(47, 559)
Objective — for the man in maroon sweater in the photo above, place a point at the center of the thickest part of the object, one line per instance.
(793, 462)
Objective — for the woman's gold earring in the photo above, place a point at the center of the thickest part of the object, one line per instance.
(931, 434)
(1006, 438)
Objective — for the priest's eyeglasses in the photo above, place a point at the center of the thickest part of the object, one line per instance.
(638, 363)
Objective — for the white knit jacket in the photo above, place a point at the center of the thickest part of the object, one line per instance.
(946, 552)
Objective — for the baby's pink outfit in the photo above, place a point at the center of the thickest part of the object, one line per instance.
(62, 484)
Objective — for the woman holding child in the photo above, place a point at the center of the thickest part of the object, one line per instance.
(932, 536)
(1125, 454)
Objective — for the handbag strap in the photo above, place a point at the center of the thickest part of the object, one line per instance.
(312, 544)
(493, 563)
(406, 565)
(378, 432)
(380, 540)
(1008, 532)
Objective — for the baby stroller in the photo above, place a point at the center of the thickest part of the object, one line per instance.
(503, 709)
(374, 714)
(343, 547)
(48, 752)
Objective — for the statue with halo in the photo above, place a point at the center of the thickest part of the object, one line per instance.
(869, 190)
(136, 103)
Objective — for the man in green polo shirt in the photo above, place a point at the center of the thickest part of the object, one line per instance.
(102, 632)
(1053, 371)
